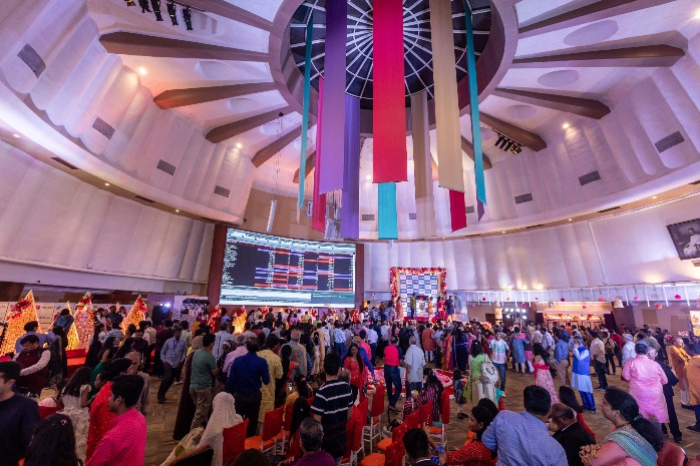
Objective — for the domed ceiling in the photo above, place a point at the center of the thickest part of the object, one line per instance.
(602, 97)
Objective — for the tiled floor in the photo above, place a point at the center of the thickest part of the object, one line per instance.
(161, 418)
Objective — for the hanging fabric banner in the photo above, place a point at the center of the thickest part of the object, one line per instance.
(389, 106)
(332, 137)
(318, 215)
(458, 210)
(449, 142)
(422, 165)
(474, 107)
(305, 114)
(388, 220)
(350, 213)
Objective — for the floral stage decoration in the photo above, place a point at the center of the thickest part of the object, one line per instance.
(404, 281)
(84, 319)
(21, 313)
(136, 314)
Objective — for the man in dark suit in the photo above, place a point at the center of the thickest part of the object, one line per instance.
(571, 435)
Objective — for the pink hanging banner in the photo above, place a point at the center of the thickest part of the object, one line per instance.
(318, 215)
(458, 210)
(389, 153)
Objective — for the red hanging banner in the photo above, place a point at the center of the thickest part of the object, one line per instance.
(318, 215)
(389, 153)
(458, 210)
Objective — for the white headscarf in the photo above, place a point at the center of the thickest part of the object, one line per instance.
(223, 416)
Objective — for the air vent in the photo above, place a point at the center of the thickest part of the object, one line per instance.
(367, 217)
(412, 216)
(166, 167)
(589, 178)
(605, 211)
(469, 209)
(535, 226)
(32, 59)
(221, 191)
(103, 127)
(64, 163)
(669, 141)
(523, 198)
(145, 199)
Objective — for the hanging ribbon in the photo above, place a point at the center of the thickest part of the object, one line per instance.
(389, 106)
(334, 71)
(388, 219)
(422, 167)
(305, 114)
(474, 108)
(449, 142)
(350, 201)
(318, 215)
(458, 210)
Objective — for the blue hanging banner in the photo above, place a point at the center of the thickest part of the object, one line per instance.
(305, 114)
(388, 221)
(474, 107)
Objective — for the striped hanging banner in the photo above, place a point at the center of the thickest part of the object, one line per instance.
(422, 166)
(318, 216)
(449, 142)
(333, 135)
(474, 108)
(305, 114)
(458, 210)
(388, 219)
(350, 213)
(389, 106)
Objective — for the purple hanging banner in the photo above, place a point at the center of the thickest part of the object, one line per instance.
(333, 135)
(350, 212)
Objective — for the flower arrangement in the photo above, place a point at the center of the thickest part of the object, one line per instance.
(588, 453)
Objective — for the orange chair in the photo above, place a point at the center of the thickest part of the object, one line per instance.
(267, 442)
(234, 441)
(426, 413)
(373, 430)
(393, 457)
(353, 433)
(413, 420)
(396, 436)
(440, 432)
(283, 436)
(671, 455)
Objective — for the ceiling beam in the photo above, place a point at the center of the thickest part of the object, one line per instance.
(585, 107)
(310, 165)
(602, 9)
(468, 148)
(519, 135)
(267, 152)
(227, 10)
(131, 43)
(233, 129)
(197, 95)
(644, 56)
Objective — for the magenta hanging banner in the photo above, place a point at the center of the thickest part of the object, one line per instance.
(318, 214)
(333, 134)
(458, 210)
(390, 162)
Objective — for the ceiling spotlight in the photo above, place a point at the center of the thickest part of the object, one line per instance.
(15, 135)
(654, 197)
(571, 219)
(155, 4)
(566, 126)
(187, 16)
(177, 211)
(500, 140)
(143, 71)
(239, 146)
(107, 184)
(130, 3)
(172, 12)
(503, 232)
(509, 145)
(144, 6)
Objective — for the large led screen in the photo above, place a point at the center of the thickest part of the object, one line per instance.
(270, 270)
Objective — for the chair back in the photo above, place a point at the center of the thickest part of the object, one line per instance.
(426, 413)
(288, 410)
(671, 455)
(394, 454)
(234, 441)
(272, 424)
(202, 456)
(354, 434)
(363, 406)
(398, 433)
(378, 402)
(413, 420)
(445, 407)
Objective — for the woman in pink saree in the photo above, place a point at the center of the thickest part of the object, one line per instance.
(646, 384)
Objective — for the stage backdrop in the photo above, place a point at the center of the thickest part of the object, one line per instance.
(422, 281)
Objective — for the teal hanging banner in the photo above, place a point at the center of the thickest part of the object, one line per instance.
(474, 107)
(388, 221)
(305, 114)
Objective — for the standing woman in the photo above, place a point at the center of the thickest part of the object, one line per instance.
(91, 359)
(517, 346)
(476, 376)
(53, 443)
(581, 374)
(449, 353)
(58, 365)
(543, 377)
(75, 405)
(646, 380)
(459, 348)
(354, 364)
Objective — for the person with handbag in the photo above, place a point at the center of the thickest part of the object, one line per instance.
(482, 376)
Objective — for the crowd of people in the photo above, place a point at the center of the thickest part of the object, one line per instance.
(239, 367)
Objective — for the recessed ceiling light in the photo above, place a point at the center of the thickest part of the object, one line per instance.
(503, 232)
(654, 197)
(177, 210)
(239, 146)
(571, 219)
(15, 135)
(143, 71)
(106, 184)
(566, 126)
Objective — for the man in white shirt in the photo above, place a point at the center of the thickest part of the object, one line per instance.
(221, 337)
(239, 351)
(373, 339)
(338, 339)
(415, 362)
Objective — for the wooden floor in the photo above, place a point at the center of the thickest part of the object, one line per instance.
(161, 418)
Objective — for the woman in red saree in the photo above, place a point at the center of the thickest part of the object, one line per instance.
(353, 363)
